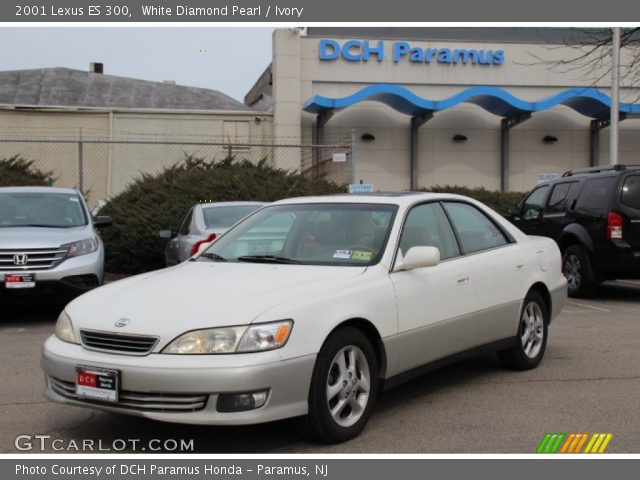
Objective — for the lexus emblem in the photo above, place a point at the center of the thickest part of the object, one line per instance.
(123, 322)
(20, 259)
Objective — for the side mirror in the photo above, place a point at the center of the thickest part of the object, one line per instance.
(166, 234)
(418, 257)
(513, 210)
(102, 221)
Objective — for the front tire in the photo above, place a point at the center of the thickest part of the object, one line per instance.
(531, 341)
(343, 389)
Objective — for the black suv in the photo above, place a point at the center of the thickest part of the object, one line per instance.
(594, 215)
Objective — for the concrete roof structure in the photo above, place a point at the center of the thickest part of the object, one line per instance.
(68, 88)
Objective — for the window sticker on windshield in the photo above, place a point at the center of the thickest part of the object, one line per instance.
(362, 255)
(73, 199)
(342, 254)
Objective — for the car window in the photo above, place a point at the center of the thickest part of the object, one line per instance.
(44, 209)
(631, 191)
(596, 194)
(312, 234)
(427, 225)
(533, 203)
(186, 223)
(224, 217)
(475, 230)
(560, 197)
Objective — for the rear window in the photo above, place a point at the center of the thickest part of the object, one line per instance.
(631, 191)
(224, 217)
(596, 194)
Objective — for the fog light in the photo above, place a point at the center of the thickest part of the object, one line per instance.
(241, 402)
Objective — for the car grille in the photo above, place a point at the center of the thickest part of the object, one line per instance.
(31, 259)
(117, 342)
(157, 402)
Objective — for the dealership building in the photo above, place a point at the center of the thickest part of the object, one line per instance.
(490, 107)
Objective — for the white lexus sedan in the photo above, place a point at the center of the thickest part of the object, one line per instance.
(308, 308)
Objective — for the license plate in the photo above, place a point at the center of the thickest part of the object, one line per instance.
(100, 384)
(18, 280)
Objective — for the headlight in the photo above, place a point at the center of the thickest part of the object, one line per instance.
(252, 338)
(64, 329)
(82, 247)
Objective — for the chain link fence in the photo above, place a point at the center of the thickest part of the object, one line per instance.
(105, 168)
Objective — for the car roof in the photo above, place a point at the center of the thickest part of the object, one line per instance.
(393, 198)
(38, 190)
(229, 204)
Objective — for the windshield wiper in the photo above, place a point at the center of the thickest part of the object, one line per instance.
(212, 256)
(267, 259)
(38, 225)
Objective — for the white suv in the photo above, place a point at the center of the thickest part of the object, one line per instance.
(48, 241)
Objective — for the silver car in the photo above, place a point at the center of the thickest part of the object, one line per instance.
(203, 223)
(48, 241)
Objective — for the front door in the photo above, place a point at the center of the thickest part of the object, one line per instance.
(436, 305)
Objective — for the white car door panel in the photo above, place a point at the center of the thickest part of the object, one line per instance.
(436, 305)
(499, 268)
(436, 308)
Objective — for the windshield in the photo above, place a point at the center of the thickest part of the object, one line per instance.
(311, 234)
(224, 217)
(52, 210)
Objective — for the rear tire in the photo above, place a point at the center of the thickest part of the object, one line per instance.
(343, 389)
(531, 341)
(576, 267)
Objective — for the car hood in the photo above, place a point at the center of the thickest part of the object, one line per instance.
(38, 237)
(196, 295)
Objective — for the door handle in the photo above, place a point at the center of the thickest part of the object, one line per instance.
(520, 266)
(462, 280)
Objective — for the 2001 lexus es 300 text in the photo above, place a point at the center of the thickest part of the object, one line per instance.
(308, 308)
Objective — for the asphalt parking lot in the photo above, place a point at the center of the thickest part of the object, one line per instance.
(589, 381)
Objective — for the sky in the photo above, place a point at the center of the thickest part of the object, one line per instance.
(228, 59)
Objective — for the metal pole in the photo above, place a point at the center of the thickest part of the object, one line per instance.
(615, 96)
(353, 155)
(80, 168)
(413, 154)
(504, 155)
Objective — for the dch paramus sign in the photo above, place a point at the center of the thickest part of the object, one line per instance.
(364, 50)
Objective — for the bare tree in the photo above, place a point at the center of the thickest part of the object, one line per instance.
(591, 56)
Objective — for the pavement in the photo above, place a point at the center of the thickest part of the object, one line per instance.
(589, 381)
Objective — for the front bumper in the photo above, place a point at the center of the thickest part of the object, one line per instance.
(74, 276)
(168, 376)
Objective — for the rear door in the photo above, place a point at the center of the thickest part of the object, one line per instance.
(629, 207)
(557, 210)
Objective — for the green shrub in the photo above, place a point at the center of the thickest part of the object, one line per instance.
(499, 201)
(16, 171)
(158, 202)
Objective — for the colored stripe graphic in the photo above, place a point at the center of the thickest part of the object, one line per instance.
(573, 442)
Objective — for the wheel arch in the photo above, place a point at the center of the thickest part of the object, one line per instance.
(544, 292)
(575, 234)
(372, 333)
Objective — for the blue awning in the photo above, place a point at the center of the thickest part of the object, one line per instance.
(590, 102)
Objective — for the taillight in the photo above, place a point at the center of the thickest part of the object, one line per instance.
(196, 245)
(614, 226)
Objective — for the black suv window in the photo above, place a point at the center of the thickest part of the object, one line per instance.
(560, 197)
(534, 203)
(631, 191)
(475, 230)
(596, 194)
